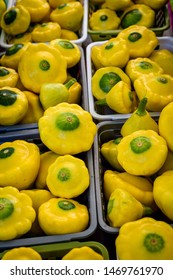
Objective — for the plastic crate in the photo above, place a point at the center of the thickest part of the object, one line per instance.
(58, 250)
(88, 198)
(108, 130)
(162, 23)
(83, 32)
(79, 72)
(103, 113)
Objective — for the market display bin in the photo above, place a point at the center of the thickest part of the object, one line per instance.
(87, 198)
(103, 113)
(108, 130)
(83, 31)
(162, 23)
(57, 250)
(78, 72)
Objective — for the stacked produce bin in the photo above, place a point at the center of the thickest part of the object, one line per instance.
(119, 113)
(52, 245)
(84, 125)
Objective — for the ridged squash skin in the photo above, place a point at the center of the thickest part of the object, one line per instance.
(165, 124)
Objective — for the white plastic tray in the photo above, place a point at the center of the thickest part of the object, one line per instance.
(103, 113)
(83, 31)
(87, 198)
(108, 130)
(81, 73)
